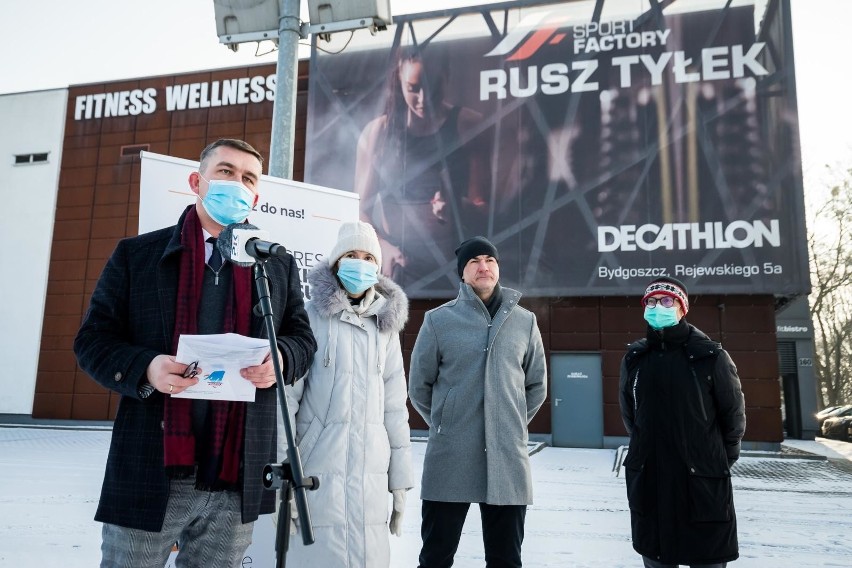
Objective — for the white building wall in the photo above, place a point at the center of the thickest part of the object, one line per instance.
(32, 123)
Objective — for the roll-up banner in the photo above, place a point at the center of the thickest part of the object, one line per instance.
(596, 153)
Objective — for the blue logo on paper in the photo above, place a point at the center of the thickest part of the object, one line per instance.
(215, 378)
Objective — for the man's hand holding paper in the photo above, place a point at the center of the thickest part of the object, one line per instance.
(231, 366)
(262, 376)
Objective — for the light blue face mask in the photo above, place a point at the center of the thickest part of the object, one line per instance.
(227, 201)
(357, 275)
(660, 317)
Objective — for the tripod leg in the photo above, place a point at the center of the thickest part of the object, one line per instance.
(282, 539)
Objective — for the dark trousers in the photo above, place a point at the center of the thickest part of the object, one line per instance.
(502, 533)
(651, 563)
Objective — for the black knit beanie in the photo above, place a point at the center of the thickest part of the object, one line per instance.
(472, 248)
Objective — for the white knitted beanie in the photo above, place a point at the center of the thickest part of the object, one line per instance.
(356, 236)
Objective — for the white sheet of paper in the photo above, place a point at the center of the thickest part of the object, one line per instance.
(220, 358)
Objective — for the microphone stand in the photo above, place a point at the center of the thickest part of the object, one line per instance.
(286, 476)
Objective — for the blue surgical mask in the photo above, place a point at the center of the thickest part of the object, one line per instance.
(660, 317)
(227, 201)
(357, 275)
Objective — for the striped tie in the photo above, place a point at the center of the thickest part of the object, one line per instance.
(215, 261)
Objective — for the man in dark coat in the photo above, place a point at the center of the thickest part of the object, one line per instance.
(181, 469)
(683, 407)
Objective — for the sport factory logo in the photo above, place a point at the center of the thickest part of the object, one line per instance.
(535, 30)
(516, 77)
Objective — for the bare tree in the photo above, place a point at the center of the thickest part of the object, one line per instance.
(830, 246)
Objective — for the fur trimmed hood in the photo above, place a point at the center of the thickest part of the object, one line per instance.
(329, 298)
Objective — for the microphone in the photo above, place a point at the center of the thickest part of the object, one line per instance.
(244, 244)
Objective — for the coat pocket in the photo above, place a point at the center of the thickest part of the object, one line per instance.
(310, 439)
(710, 498)
(521, 397)
(634, 477)
(445, 425)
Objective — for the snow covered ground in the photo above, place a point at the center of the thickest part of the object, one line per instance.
(791, 512)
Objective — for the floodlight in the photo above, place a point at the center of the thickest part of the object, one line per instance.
(240, 21)
(329, 16)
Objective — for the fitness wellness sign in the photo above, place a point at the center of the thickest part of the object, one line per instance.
(182, 96)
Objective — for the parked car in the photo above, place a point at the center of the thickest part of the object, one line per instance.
(838, 428)
(831, 411)
(825, 411)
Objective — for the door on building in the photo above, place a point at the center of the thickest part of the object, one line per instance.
(576, 396)
(791, 405)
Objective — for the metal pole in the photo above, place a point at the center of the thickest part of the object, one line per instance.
(287, 75)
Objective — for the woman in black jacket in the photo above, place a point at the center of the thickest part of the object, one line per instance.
(682, 405)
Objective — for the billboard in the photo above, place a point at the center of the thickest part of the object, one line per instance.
(596, 150)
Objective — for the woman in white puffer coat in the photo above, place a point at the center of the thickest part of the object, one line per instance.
(351, 420)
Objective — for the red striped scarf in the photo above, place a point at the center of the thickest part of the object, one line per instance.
(218, 455)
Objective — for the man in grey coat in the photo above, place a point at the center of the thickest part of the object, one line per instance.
(478, 376)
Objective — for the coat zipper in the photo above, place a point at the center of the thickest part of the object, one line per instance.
(635, 384)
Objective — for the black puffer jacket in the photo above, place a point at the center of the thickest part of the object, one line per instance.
(683, 406)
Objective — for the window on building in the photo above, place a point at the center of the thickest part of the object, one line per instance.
(36, 158)
(132, 151)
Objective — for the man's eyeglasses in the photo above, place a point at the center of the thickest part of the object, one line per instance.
(191, 370)
(665, 301)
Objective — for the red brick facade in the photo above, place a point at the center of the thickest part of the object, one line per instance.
(98, 204)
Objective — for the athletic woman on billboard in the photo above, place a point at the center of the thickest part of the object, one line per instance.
(419, 178)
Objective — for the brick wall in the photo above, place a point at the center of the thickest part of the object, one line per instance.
(98, 204)
(744, 324)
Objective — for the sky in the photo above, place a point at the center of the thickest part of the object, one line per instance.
(57, 43)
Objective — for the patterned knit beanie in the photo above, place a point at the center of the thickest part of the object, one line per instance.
(668, 286)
